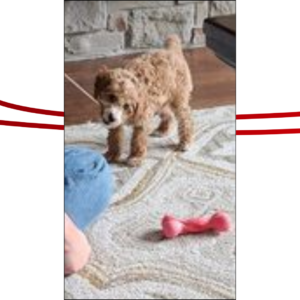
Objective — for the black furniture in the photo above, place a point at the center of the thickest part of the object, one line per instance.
(221, 37)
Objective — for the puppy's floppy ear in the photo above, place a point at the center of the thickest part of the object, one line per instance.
(102, 81)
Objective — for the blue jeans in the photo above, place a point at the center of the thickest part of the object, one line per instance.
(88, 185)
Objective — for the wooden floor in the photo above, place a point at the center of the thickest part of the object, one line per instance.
(214, 83)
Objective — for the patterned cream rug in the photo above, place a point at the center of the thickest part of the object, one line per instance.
(130, 259)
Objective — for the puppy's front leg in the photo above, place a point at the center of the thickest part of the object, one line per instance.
(138, 146)
(114, 141)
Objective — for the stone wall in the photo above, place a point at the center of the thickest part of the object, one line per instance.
(106, 28)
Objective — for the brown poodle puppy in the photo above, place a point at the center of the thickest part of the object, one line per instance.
(155, 83)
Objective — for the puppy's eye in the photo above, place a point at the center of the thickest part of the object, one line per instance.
(126, 106)
(112, 98)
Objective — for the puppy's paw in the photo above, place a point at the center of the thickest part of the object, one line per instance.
(134, 161)
(183, 147)
(112, 157)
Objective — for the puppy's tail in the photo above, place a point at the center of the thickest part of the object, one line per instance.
(173, 42)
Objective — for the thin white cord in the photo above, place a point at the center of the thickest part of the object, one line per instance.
(81, 89)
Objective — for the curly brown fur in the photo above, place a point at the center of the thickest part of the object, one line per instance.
(154, 83)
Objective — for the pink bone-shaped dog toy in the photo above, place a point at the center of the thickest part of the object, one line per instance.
(172, 227)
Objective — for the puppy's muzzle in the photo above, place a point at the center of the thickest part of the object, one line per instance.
(109, 118)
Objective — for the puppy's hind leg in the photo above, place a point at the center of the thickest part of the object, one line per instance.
(166, 122)
(185, 125)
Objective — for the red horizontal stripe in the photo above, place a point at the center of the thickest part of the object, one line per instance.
(32, 125)
(268, 131)
(32, 109)
(268, 116)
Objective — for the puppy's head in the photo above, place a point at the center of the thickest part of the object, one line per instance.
(117, 93)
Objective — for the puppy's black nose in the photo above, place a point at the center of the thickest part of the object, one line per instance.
(111, 118)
